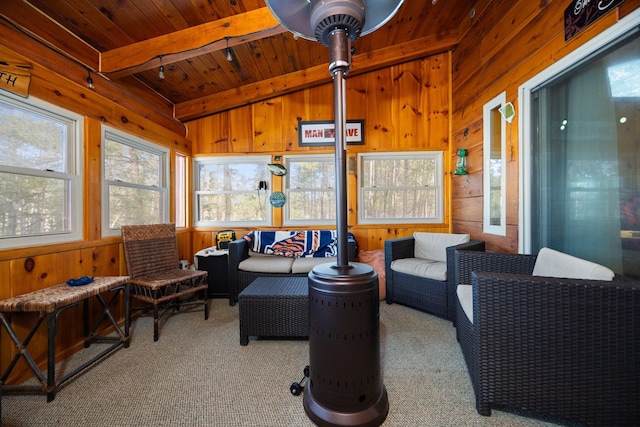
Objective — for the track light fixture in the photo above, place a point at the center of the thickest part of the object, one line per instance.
(161, 71)
(90, 80)
(228, 49)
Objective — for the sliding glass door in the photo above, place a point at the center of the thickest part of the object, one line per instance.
(584, 167)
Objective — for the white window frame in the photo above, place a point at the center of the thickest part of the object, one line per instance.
(229, 160)
(74, 155)
(439, 186)
(488, 135)
(608, 36)
(181, 191)
(287, 221)
(143, 145)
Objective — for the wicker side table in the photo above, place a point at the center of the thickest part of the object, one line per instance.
(275, 307)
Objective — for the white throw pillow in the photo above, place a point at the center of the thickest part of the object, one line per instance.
(465, 296)
(551, 263)
(434, 246)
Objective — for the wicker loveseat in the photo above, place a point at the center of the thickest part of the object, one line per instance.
(249, 259)
(559, 347)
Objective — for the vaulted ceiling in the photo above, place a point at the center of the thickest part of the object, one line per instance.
(127, 40)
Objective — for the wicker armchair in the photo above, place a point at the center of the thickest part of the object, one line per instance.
(565, 348)
(151, 253)
(422, 293)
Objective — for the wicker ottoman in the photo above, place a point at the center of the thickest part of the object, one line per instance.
(274, 307)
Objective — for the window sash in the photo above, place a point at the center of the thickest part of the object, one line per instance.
(229, 196)
(418, 201)
(40, 199)
(311, 197)
(133, 195)
(181, 203)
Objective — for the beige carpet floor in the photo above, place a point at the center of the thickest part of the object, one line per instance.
(197, 374)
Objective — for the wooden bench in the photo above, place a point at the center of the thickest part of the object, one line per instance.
(49, 303)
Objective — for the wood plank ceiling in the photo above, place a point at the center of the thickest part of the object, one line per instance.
(125, 41)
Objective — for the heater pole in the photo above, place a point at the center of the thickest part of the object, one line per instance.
(339, 63)
(345, 387)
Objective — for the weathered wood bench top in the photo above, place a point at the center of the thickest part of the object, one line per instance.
(55, 297)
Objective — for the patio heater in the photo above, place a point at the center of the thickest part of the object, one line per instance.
(345, 384)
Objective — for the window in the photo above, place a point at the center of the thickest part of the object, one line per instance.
(580, 166)
(181, 191)
(494, 193)
(400, 187)
(228, 191)
(135, 184)
(40, 173)
(310, 190)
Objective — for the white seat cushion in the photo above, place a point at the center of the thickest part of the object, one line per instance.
(266, 264)
(551, 263)
(306, 264)
(465, 296)
(434, 246)
(436, 270)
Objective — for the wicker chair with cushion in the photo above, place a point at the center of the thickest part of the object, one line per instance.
(418, 268)
(557, 347)
(151, 253)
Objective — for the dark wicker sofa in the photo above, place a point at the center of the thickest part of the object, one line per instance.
(565, 348)
(239, 279)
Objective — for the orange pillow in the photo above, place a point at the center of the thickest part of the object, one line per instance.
(375, 259)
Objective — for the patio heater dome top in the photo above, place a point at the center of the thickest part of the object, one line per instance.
(315, 19)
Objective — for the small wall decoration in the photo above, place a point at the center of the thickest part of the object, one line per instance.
(582, 13)
(507, 111)
(15, 78)
(323, 133)
(277, 169)
(277, 199)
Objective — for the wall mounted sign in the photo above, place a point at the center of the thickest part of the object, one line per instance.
(582, 13)
(323, 133)
(15, 78)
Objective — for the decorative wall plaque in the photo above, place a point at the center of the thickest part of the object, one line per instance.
(323, 132)
(582, 13)
(15, 78)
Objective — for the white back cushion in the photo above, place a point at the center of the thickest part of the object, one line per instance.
(551, 263)
(433, 246)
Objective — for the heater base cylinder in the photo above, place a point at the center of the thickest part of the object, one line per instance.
(345, 382)
(371, 416)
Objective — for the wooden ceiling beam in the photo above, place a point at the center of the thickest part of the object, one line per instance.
(302, 79)
(190, 42)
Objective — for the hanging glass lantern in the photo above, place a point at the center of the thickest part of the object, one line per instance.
(461, 164)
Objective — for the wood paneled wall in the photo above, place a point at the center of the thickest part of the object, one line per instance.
(507, 44)
(405, 107)
(94, 256)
